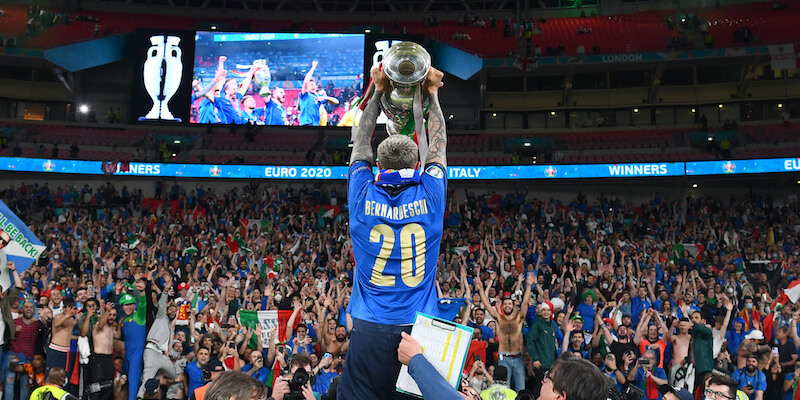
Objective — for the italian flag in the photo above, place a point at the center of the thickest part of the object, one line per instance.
(236, 244)
(461, 250)
(247, 224)
(270, 267)
(696, 250)
(268, 319)
(791, 293)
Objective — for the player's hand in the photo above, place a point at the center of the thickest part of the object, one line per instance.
(314, 64)
(219, 76)
(537, 364)
(379, 79)
(433, 82)
(10, 265)
(409, 347)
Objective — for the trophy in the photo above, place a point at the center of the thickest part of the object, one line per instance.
(162, 75)
(406, 64)
(262, 77)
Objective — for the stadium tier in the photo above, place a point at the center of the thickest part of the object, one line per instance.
(647, 31)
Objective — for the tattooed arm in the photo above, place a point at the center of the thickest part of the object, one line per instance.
(437, 137)
(362, 134)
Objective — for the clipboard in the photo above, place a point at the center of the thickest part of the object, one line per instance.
(445, 345)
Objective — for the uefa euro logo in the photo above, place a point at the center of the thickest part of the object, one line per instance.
(216, 171)
(49, 165)
(729, 167)
(550, 172)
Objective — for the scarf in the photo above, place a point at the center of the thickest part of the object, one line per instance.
(394, 178)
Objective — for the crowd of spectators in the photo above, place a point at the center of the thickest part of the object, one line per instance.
(668, 291)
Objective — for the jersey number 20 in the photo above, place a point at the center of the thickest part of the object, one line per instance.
(412, 266)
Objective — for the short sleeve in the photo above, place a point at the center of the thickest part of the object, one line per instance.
(358, 180)
(761, 383)
(434, 182)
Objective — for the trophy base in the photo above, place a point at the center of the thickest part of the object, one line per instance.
(265, 92)
(160, 119)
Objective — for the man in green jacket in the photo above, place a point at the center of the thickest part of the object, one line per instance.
(541, 342)
(5, 304)
(702, 344)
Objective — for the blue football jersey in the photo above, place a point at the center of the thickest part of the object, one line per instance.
(396, 242)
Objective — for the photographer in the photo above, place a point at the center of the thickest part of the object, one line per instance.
(211, 371)
(648, 375)
(296, 385)
(325, 372)
(479, 379)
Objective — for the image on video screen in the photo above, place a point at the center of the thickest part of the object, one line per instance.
(278, 79)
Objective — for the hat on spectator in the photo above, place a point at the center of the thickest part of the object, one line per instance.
(557, 303)
(608, 321)
(183, 285)
(214, 365)
(151, 386)
(127, 299)
(587, 293)
(755, 334)
(681, 394)
(500, 373)
(506, 295)
(546, 304)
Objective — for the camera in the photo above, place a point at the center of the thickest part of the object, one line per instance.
(299, 379)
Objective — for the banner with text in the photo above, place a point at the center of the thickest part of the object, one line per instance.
(730, 167)
(17, 244)
(783, 56)
(554, 171)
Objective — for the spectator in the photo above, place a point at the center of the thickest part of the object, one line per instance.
(750, 380)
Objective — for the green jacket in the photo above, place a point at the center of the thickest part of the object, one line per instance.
(702, 342)
(541, 342)
(5, 307)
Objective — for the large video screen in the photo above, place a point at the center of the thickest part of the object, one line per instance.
(277, 79)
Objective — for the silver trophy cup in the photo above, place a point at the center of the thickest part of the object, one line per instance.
(262, 77)
(406, 64)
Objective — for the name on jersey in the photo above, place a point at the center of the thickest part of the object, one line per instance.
(406, 210)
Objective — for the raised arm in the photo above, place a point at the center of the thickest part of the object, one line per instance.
(437, 135)
(248, 79)
(308, 77)
(290, 323)
(362, 134)
(527, 296)
(485, 300)
(642, 327)
(101, 323)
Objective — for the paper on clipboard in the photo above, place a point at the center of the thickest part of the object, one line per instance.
(444, 345)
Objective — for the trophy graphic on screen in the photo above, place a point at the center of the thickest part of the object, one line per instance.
(406, 65)
(162, 75)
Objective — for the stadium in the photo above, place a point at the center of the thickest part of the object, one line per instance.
(620, 186)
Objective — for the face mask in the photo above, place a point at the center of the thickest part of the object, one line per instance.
(748, 306)
(605, 286)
